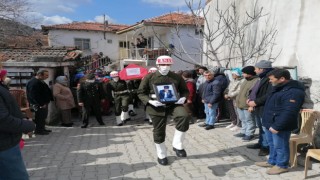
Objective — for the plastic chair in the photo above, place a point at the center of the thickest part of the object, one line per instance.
(314, 153)
(306, 133)
(21, 98)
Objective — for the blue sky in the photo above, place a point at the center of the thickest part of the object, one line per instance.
(47, 12)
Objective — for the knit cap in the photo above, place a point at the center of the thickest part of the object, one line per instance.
(249, 70)
(263, 64)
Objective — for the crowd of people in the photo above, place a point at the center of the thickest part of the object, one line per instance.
(256, 96)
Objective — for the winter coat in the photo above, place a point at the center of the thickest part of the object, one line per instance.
(63, 97)
(234, 88)
(283, 105)
(192, 89)
(38, 92)
(213, 89)
(241, 99)
(263, 92)
(11, 124)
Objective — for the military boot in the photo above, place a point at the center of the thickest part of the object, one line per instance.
(162, 154)
(177, 143)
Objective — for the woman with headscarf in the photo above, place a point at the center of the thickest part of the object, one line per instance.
(64, 100)
(230, 95)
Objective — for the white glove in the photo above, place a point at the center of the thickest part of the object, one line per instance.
(181, 100)
(155, 103)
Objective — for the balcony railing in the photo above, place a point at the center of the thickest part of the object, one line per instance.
(142, 53)
(89, 63)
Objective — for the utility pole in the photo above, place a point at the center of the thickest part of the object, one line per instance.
(104, 26)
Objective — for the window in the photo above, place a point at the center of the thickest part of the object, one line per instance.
(123, 44)
(150, 42)
(109, 41)
(198, 31)
(82, 44)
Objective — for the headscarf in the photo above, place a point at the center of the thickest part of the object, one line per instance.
(62, 80)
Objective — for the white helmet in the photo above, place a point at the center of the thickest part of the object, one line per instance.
(152, 70)
(164, 60)
(114, 74)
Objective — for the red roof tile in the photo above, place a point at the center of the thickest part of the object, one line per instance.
(176, 18)
(87, 26)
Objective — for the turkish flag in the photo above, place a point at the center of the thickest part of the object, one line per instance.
(133, 71)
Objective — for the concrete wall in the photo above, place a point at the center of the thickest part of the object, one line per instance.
(188, 42)
(97, 42)
(298, 35)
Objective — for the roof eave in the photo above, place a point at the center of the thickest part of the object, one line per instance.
(130, 28)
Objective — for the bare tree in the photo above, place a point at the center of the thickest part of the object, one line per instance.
(13, 15)
(13, 9)
(231, 37)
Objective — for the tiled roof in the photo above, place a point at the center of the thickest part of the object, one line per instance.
(35, 54)
(176, 18)
(169, 19)
(36, 39)
(87, 26)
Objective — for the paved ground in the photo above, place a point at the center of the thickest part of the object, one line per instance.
(128, 152)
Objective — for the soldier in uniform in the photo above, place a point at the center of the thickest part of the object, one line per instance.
(159, 111)
(133, 86)
(148, 118)
(90, 94)
(121, 98)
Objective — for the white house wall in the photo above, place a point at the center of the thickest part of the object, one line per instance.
(97, 41)
(188, 42)
(298, 34)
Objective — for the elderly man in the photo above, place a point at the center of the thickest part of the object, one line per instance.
(212, 95)
(39, 96)
(159, 111)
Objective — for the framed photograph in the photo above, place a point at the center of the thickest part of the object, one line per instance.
(166, 93)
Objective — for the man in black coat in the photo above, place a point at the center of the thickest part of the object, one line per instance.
(12, 125)
(39, 96)
(256, 101)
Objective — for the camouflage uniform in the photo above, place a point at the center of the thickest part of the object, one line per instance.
(121, 98)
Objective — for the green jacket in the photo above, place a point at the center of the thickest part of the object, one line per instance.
(146, 89)
(245, 87)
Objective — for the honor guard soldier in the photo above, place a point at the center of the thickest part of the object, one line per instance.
(148, 118)
(121, 98)
(90, 94)
(159, 111)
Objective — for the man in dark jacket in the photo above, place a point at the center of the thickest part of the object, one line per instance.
(280, 118)
(39, 96)
(256, 100)
(212, 94)
(12, 125)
